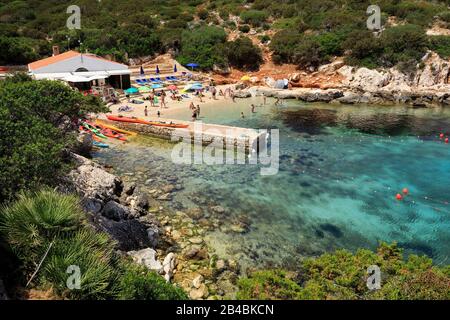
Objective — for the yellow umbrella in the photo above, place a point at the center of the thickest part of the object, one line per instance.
(245, 78)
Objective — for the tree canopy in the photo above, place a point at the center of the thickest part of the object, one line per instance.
(35, 117)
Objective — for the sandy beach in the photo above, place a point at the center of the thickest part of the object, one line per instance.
(172, 105)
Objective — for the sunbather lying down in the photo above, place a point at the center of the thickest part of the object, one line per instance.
(136, 101)
(125, 109)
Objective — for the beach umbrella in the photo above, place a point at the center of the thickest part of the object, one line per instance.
(192, 65)
(172, 87)
(142, 70)
(175, 68)
(131, 91)
(196, 86)
(157, 69)
(156, 86)
(144, 89)
(245, 78)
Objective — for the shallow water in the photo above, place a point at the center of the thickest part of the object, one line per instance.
(340, 169)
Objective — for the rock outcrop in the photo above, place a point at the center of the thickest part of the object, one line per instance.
(124, 216)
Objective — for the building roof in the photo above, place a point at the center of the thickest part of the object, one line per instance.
(73, 61)
(50, 60)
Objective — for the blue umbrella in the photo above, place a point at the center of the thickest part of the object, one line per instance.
(157, 69)
(192, 65)
(156, 86)
(131, 91)
(175, 68)
(197, 86)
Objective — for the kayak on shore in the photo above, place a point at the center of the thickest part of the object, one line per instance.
(100, 145)
(142, 121)
(107, 126)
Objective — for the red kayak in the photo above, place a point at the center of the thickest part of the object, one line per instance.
(142, 121)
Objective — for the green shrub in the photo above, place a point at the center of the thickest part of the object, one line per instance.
(268, 285)
(34, 220)
(202, 46)
(254, 17)
(90, 251)
(203, 14)
(243, 54)
(138, 283)
(343, 275)
(441, 45)
(52, 223)
(36, 109)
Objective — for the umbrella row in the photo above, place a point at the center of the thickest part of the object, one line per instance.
(191, 65)
(143, 89)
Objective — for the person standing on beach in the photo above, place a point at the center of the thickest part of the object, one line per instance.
(242, 115)
(213, 92)
(159, 113)
(163, 99)
(151, 97)
(253, 108)
(146, 111)
(194, 115)
(191, 105)
(198, 110)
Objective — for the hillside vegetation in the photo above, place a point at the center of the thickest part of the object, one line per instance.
(303, 32)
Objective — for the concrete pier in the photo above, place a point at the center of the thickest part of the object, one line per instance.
(240, 138)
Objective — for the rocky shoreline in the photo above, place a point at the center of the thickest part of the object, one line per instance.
(171, 245)
(428, 86)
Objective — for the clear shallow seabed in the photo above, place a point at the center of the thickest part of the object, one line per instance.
(340, 169)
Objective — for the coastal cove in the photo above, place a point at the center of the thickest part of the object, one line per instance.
(340, 169)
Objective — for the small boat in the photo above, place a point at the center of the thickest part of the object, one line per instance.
(93, 130)
(142, 121)
(112, 134)
(107, 126)
(100, 144)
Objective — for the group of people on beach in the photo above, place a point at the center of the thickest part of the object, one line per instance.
(195, 111)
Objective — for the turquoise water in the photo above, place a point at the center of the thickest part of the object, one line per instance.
(340, 169)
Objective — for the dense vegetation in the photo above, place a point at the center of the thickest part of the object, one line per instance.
(343, 275)
(308, 32)
(37, 120)
(35, 117)
(39, 220)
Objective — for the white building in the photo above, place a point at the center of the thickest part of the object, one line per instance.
(81, 70)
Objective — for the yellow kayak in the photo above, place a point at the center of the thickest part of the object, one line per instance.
(102, 124)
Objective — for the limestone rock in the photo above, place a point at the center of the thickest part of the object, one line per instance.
(91, 181)
(146, 257)
(169, 266)
(197, 282)
(200, 293)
